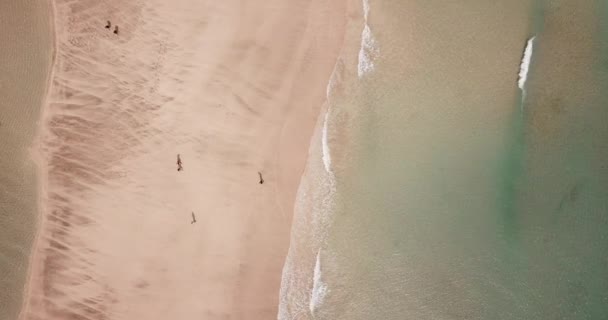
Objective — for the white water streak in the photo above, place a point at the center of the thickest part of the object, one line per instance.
(525, 64)
(369, 49)
(319, 289)
(325, 145)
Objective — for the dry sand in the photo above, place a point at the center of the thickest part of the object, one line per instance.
(235, 87)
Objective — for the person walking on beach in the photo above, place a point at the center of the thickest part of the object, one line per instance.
(179, 163)
(108, 25)
(116, 30)
(193, 218)
(261, 179)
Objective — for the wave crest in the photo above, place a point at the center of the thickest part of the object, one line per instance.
(369, 48)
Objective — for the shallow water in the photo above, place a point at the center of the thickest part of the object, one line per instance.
(456, 196)
(25, 56)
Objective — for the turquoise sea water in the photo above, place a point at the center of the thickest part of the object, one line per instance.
(454, 194)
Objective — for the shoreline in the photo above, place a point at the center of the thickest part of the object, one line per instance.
(303, 285)
(26, 63)
(37, 159)
(254, 246)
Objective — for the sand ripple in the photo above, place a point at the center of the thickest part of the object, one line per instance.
(234, 87)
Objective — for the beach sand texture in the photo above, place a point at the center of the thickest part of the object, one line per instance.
(234, 87)
(25, 60)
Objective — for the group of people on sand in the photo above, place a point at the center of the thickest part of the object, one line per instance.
(109, 25)
(180, 168)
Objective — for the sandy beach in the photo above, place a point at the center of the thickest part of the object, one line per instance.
(235, 88)
(25, 61)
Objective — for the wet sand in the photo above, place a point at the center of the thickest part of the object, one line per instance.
(234, 87)
(25, 60)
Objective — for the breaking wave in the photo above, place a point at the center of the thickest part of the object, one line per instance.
(369, 49)
(525, 64)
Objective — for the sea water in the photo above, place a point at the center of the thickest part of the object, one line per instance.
(461, 171)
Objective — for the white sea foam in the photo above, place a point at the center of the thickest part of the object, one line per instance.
(325, 145)
(525, 64)
(312, 218)
(369, 48)
(319, 289)
(365, 9)
(314, 206)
